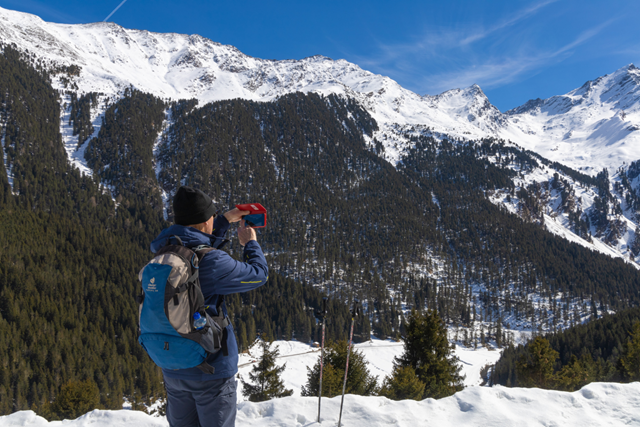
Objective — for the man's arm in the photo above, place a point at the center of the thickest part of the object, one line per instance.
(222, 223)
(220, 274)
(220, 226)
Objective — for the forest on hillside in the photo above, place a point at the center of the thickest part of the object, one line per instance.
(69, 260)
(342, 222)
(401, 222)
(594, 351)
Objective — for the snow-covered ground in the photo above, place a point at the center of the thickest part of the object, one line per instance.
(75, 152)
(378, 353)
(597, 404)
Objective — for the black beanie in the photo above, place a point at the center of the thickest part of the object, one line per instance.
(192, 206)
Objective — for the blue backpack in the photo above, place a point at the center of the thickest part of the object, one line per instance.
(170, 297)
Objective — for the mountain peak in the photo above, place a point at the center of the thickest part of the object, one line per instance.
(528, 106)
(477, 92)
(472, 91)
(317, 58)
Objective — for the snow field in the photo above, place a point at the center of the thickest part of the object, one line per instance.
(597, 404)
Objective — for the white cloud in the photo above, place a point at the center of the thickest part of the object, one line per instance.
(495, 72)
(520, 15)
(488, 56)
(438, 42)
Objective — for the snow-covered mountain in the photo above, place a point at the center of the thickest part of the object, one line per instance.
(595, 126)
(589, 128)
(181, 66)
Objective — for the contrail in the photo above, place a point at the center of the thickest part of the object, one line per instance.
(114, 11)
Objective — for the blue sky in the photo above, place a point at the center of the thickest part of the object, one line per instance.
(515, 50)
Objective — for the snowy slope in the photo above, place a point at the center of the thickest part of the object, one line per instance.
(597, 404)
(75, 152)
(589, 128)
(397, 140)
(181, 66)
(556, 220)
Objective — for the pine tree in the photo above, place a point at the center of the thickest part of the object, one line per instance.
(428, 352)
(403, 384)
(574, 375)
(535, 367)
(359, 380)
(265, 376)
(630, 360)
(76, 398)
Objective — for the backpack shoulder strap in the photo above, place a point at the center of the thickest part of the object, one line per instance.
(202, 250)
(182, 251)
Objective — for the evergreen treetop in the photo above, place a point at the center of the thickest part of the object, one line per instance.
(359, 380)
(403, 383)
(535, 367)
(266, 382)
(428, 352)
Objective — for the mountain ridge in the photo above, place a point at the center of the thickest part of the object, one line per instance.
(171, 65)
(589, 128)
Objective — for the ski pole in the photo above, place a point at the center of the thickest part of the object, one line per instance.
(354, 312)
(322, 315)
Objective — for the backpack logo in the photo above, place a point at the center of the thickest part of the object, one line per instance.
(152, 286)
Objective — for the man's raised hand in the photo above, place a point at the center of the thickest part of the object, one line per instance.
(235, 215)
(245, 234)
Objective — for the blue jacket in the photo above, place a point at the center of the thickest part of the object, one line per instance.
(219, 275)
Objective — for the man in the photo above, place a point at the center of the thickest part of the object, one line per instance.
(193, 397)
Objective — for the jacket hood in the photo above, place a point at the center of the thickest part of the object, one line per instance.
(190, 237)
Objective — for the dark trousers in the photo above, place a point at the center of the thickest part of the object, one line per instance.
(201, 403)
